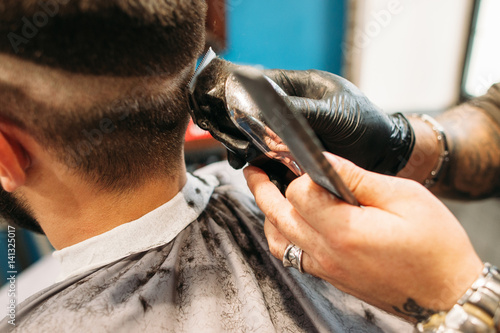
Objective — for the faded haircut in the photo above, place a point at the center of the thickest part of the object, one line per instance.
(119, 37)
(118, 143)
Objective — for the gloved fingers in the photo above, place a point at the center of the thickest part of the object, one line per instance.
(290, 81)
(235, 161)
(297, 83)
(371, 190)
(320, 114)
(312, 83)
(309, 107)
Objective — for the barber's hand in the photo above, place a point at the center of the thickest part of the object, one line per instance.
(347, 123)
(402, 251)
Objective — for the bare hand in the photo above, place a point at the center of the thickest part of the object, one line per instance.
(403, 251)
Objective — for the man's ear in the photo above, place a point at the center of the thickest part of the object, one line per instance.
(14, 161)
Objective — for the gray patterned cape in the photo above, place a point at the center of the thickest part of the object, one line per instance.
(215, 275)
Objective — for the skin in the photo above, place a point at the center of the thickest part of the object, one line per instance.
(68, 208)
(414, 256)
(403, 253)
(425, 153)
(474, 168)
(474, 144)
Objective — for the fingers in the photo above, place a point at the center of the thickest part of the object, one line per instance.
(316, 111)
(285, 225)
(309, 83)
(324, 212)
(290, 81)
(370, 188)
(280, 213)
(278, 244)
(267, 195)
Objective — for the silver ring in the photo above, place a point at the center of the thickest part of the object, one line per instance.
(293, 257)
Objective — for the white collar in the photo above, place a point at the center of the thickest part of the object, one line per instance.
(156, 228)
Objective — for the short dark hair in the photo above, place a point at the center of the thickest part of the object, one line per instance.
(118, 143)
(117, 37)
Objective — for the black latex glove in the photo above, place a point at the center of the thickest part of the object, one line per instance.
(346, 122)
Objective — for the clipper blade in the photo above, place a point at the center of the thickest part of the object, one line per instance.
(209, 56)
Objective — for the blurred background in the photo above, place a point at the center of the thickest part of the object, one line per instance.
(405, 55)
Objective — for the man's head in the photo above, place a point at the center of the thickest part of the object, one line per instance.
(99, 84)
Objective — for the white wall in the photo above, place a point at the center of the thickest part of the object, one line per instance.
(412, 61)
(484, 69)
(407, 55)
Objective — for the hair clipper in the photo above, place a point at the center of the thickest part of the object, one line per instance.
(220, 105)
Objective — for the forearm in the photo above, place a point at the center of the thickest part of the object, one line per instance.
(425, 153)
(473, 170)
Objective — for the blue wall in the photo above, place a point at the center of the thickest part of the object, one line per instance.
(293, 34)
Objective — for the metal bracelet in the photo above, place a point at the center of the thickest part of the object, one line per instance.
(444, 155)
(477, 311)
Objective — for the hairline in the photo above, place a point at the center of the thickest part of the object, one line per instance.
(51, 87)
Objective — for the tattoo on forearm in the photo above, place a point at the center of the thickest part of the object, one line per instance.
(413, 310)
(474, 167)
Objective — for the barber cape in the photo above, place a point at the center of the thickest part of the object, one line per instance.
(199, 263)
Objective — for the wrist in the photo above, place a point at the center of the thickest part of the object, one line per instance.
(478, 310)
(426, 153)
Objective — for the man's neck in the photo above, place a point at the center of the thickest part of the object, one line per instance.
(70, 210)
